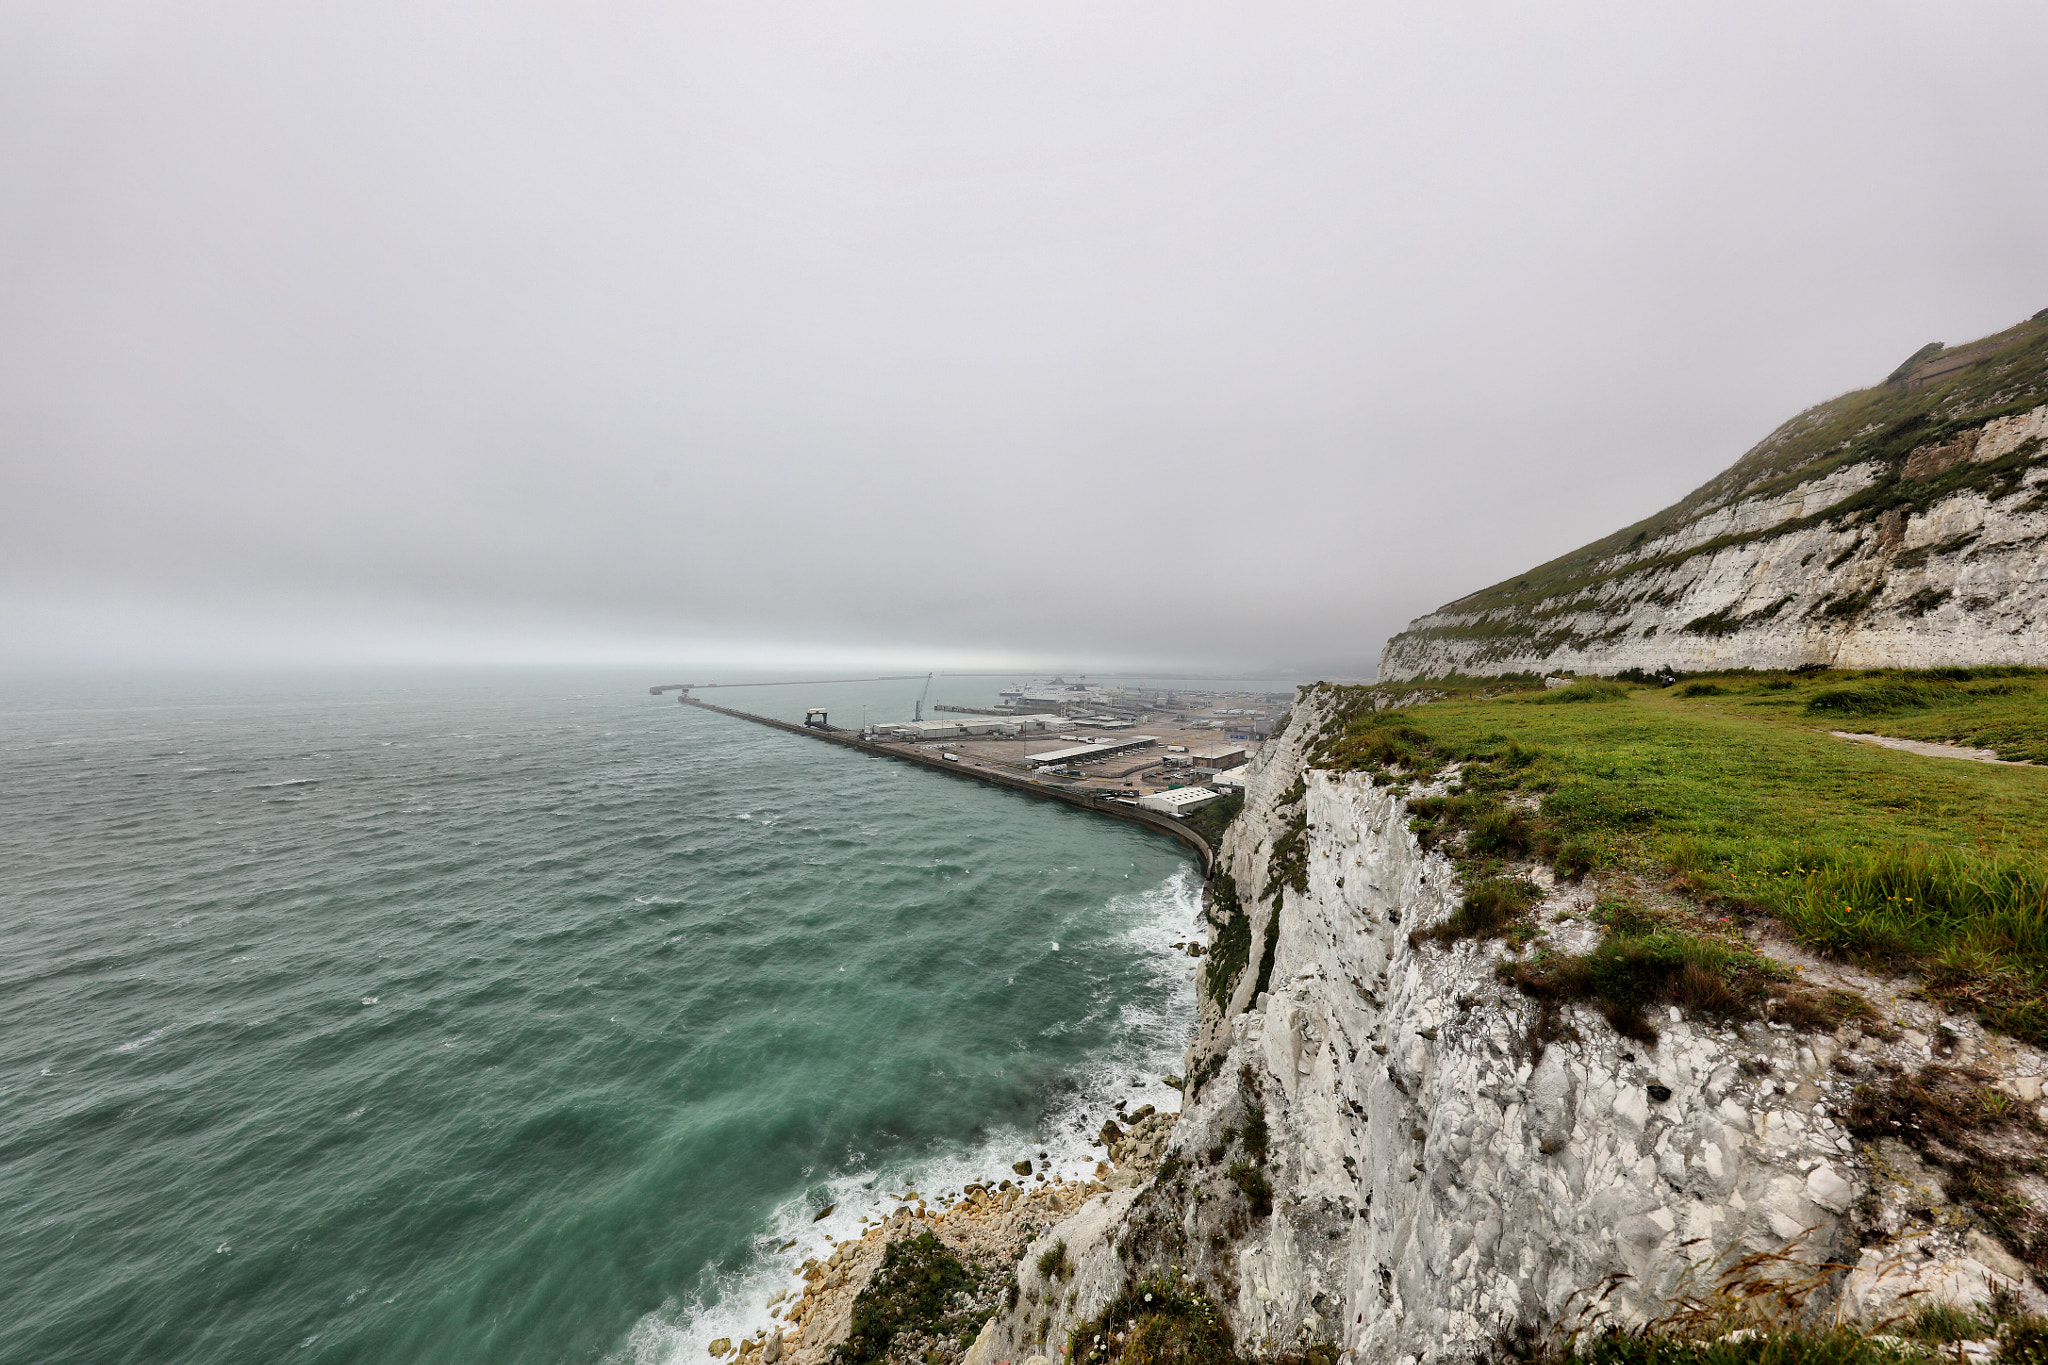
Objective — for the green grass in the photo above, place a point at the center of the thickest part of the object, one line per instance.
(912, 1291)
(1231, 950)
(1211, 820)
(1159, 1321)
(1984, 708)
(1492, 908)
(1586, 689)
(1741, 801)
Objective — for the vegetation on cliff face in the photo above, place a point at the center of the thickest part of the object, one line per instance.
(1213, 820)
(921, 1294)
(1967, 1130)
(1886, 426)
(1231, 949)
(1759, 1312)
(1155, 1322)
(1742, 802)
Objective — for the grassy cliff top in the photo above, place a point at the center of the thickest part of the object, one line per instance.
(1729, 791)
(1937, 392)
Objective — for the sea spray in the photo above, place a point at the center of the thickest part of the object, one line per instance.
(1152, 1026)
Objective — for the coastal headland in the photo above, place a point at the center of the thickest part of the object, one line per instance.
(1634, 1014)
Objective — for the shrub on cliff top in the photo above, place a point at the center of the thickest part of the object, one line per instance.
(1586, 689)
(1872, 699)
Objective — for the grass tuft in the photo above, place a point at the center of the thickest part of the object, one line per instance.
(912, 1291)
(1257, 1190)
(1587, 689)
(1492, 909)
(1976, 1135)
(1157, 1321)
(1872, 699)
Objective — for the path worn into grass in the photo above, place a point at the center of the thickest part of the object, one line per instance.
(1933, 750)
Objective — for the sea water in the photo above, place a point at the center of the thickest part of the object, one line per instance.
(520, 1017)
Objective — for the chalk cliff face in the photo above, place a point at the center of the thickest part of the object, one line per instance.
(1436, 1176)
(1901, 526)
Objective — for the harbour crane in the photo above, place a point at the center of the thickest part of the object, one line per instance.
(925, 696)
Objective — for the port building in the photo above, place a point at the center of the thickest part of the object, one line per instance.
(971, 725)
(1081, 753)
(1178, 801)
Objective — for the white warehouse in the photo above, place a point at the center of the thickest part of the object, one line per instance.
(1081, 753)
(1179, 801)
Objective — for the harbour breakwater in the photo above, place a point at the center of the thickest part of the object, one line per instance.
(1163, 824)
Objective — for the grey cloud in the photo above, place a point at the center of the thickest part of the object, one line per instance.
(1226, 335)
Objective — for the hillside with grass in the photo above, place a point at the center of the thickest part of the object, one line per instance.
(1895, 526)
(1741, 793)
(1633, 1020)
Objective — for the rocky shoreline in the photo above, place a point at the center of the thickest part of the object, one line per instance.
(986, 1228)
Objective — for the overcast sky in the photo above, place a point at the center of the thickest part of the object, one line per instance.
(938, 334)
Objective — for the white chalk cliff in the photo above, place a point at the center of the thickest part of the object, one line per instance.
(1901, 526)
(1439, 1180)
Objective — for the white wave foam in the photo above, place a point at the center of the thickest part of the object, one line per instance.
(140, 1043)
(1152, 1038)
(288, 782)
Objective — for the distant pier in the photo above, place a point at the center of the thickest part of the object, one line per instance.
(1083, 800)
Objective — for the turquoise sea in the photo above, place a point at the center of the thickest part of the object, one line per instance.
(520, 1016)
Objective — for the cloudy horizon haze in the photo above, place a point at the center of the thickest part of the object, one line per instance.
(1216, 337)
